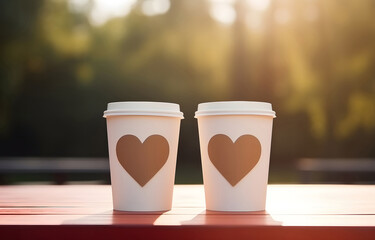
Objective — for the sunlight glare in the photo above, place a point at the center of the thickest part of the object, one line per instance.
(78, 5)
(223, 13)
(259, 5)
(103, 10)
(155, 7)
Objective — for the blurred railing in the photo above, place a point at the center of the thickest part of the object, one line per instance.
(53, 170)
(336, 170)
(25, 170)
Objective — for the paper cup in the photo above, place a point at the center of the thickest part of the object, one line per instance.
(142, 144)
(235, 142)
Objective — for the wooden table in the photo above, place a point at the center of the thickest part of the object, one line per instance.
(85, 212)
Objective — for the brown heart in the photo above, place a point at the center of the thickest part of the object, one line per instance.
(234, 160)
(142, 160)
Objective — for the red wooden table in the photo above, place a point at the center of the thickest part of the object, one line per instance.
(85, 212)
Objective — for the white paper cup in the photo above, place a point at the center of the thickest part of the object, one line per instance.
(142, 144)
(235, 142)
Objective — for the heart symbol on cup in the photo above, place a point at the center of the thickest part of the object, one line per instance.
(234, 160)
(142, 160)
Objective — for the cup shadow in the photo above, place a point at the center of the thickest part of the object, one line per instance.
(135, 218)
(233, 219)
(174, 217)
(114, 217)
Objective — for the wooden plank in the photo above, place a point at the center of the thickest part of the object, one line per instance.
(108, 232)
(281, 199)
(200, 219)
(293, 212)
(286, 205)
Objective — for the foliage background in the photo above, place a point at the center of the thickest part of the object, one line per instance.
(314, 60)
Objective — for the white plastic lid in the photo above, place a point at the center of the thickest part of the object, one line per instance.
(235, 108)
(143, 109)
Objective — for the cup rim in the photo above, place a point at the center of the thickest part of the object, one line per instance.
(235, 108)
(143, 108)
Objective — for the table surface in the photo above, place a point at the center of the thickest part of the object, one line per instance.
(85, 211)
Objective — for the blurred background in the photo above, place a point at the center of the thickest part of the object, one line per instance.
(62, 61)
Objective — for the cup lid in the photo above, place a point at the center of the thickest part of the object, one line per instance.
(143, 109)
(235, 108)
